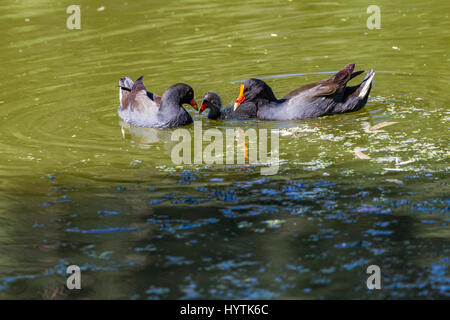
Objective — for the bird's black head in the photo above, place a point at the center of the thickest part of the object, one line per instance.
(183, 93)
(253, 90)
(210, 100)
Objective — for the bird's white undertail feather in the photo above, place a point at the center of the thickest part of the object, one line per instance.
(367, 84)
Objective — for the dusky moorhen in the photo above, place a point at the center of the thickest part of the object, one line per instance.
(326, 97)
(145, 109)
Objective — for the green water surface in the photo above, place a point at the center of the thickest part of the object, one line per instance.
(77, 188)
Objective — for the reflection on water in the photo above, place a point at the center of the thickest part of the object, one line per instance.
(80, 187)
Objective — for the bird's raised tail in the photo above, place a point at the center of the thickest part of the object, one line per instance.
(138, 85)
(365, 86)
(128, 91)
(125, 85)
(355, 98)
(345, 74)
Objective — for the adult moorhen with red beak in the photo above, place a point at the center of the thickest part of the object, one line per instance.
(211, 101)
(326, 97)
(145, 109)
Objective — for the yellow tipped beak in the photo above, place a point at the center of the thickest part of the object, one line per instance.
(240, 99)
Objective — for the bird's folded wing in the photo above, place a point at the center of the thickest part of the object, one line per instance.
(311, 92)
(140, 102)
(321, 88)
(157, 99)
(328, 86)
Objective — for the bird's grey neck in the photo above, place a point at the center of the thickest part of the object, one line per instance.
(170, 102)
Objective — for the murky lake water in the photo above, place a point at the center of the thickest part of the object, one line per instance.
(73, 190)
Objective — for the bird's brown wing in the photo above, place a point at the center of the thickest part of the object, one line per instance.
(138, 100)
(157, 99)
(320, 88)
(328, 86)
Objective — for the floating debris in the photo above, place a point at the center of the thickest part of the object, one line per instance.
(404, 162)
(361, 155)
(135, 163)
(394, 169)
(396, 181)
(276, 223)
(382, 125)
